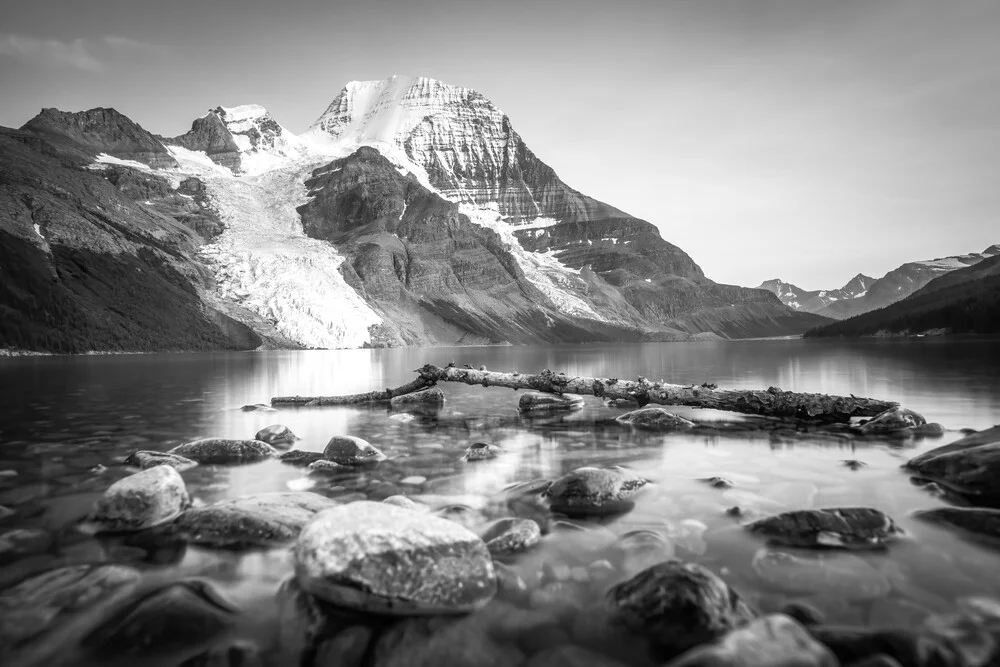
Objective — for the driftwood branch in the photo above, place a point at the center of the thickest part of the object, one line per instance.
(771, 402)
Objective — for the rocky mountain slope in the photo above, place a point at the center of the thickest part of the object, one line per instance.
(411, 214)
(965, 300)
(863, 294)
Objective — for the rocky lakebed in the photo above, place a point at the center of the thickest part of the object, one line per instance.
(383, 551)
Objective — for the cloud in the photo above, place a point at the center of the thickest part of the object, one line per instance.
(82, 54)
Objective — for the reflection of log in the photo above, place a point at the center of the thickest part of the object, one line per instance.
(771, 402)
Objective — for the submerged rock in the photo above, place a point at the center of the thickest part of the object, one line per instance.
(277, 435)
(379, 558)
(978, 523)
(225, 451)
(894, 421)
(350, 451)
(325, 467)
(263, 520)
(300, 457)
(970, 466)
(771, 641)
(846, 528)
(830, 576)
(146, 499)
(426, 398)
(258, 407)
(677, 606)
(481, 451)
(854, 464)
(406, 503)
(595, 491)
(539, 402)
(654, 419)
(38, 604)
(511, 535)
(146, 459)
(911, 648)
(23, 542)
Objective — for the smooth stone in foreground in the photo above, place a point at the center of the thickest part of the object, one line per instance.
(970, 466)
(978, 523)
(379, 558)
(276, 435)
(432, 397)
(595, 491)
(481, 451)
(225, 451)
(677, 606)
(654, 419)
(771, 641)
(831, 575)
(146, 499)
(348, 450)
(300, 457)
(511, 535)
(264, 520)
(146, 459)
(539, 402)
(845, 528)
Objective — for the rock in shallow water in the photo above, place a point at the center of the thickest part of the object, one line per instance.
(970, 466)
(276, 435)
(831, 576)
(771, 641)
(892, 421)
(225, 451)
(654, 419)
(677, 606)
(511, 535)
(595, 491)
(350, 451)
(264, 520)
(379, 558)
(432, 398)
(976, 522)
(149, 459)
(300, 457)
(481, 451)
(539, 402)
(146, 499)
(847, 528)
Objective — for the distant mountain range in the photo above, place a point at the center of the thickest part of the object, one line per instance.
(411, 213)
(965, 300)
(863, 293)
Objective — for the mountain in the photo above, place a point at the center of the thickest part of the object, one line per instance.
(410, 214)
(965, 300)
(863, 294)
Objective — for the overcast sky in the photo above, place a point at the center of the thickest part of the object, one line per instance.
(801, 139)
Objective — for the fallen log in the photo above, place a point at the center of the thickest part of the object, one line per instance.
(771, 402)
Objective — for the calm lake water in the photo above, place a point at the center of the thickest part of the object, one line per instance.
(60, 417)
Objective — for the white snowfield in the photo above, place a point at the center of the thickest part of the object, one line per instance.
(263, 260)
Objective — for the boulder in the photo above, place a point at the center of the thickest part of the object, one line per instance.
(845, 528)
(771, 641)
(912, 648)
(225, 451)
(325, 467)
(538, 402)
(350, 451)
(300, 457)
(832, 575)
(426, 398)
(277, 435)
(481, 451)
(894, 421)
(511, 535)
(969, 466)
(146, 499)
(978, 523)
(264, 520)
(595, 491)
(677, 606)
(378, 558)
(149, 459)
(654, 419)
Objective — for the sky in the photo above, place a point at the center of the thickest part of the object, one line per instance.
(808, 140)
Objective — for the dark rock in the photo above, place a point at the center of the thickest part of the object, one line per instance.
(894, 421)
(383, 559)
(771, 641)
(144, 500)
(175, 617)
(426, 398)
(277, 435)
(210, 135)
(976, 522)
(629, 403)
(830, 575)
(510, 585)
(973, 630)
(677, 606)
(258, 407)
(509, 536)
(225, 451)
(654, 419)
(846, 528)
(325, 467)
(879, 660)
(236, 654)
(854, 464)
(23, 542)
(480, 451)
(300, 457)
(264, 520)
(717, 482)
(803, 612)
(537, 402)
(149, 459)
(38, 604)
(347, 648)
(908, 647)
(970, 466)
(570, 656)
(595, 491)
(350, 451)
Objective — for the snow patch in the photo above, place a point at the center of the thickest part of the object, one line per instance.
(38, 230)
(104, 158)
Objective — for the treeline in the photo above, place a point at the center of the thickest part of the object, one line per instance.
(972, 306)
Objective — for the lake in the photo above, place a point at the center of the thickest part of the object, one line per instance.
(67, 423)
